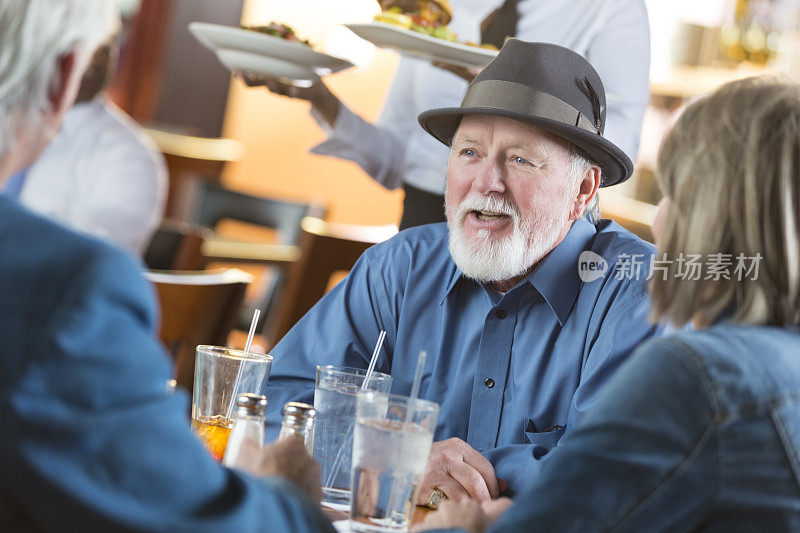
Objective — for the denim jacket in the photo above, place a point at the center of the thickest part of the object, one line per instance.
(697, 431)
(90, 439)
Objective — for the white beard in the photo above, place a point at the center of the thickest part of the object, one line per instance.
(487, 259)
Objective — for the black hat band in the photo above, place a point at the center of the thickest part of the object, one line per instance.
(524, 100)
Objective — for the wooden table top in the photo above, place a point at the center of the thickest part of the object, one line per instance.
(335, 515)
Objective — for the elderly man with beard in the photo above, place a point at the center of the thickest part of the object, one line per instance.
(519, 337)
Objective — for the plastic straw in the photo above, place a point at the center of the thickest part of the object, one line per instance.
(247, 345)
(337, 463)
(394, 494)
(373, 360)
(423, 355)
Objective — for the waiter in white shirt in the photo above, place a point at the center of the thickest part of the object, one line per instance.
(612, 34)
(101, 174)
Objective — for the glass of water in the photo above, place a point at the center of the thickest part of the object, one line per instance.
(391, 444)
(335, 403)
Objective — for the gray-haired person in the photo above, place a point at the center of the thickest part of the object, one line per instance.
(90, 439)
(525, 303)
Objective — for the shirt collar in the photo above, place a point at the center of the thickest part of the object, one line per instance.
(556, 276)
(455, 276)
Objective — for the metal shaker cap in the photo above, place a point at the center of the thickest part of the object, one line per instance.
(298, 413)
(249, 404)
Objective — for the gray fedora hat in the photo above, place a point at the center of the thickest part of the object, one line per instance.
(548, 86)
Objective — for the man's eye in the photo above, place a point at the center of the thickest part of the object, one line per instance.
(469, 152)
(521, 160)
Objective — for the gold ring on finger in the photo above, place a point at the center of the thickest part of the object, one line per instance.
(436, 498)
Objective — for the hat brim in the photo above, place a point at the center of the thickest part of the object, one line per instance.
(616, 167)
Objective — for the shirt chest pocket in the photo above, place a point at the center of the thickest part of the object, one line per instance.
(543, 441)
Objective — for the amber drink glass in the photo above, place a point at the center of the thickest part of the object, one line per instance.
(215, 374)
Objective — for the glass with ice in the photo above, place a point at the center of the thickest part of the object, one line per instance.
(392, 440)
(335, 403)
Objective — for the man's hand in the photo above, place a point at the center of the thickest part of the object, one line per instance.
(468, 515)
(459, 471)
(288, 459)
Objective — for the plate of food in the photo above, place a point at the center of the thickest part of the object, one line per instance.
(418, 28)
(271, 50)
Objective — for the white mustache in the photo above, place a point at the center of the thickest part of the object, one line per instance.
(492, 204)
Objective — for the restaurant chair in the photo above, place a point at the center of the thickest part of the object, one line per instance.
(197, 307)
(633, 215)
(177, 245)
(191, 159)
(326, 249)
(214, 203)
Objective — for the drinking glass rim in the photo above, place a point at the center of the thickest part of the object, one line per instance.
(403, 399)
(233, 353)
(352, 371)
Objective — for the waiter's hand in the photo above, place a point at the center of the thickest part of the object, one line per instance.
(317, 93)
(468, 515)
(459, 471)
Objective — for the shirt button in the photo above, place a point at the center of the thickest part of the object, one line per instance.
(500, 314)
(489, 383)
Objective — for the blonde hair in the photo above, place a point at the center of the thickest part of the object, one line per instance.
(730, 168)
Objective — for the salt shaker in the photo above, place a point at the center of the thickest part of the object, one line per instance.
(298, 422)
(249, 418)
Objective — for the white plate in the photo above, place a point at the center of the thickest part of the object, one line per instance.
(294, 74)
(275, 51)
(420, 45)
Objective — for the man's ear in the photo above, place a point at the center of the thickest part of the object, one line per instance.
(68, 75)
(587, 189)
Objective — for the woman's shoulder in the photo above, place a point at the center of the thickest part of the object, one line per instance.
(745, 365)
(730, 340)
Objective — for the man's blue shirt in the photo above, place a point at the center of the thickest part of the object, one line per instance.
(512, 372)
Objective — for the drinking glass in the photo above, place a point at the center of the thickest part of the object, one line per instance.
(215, 371)
(335, 403)
(391, 444)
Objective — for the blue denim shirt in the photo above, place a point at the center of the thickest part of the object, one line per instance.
(698, 430)
(512, 373)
